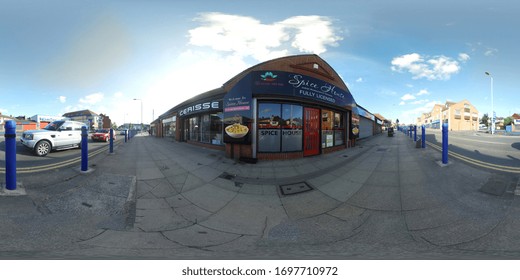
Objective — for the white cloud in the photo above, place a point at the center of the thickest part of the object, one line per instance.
(248, 37)
(436, 68)
(463, 57)
(410, 116)
(407, 97)
(92, 99)
(359, 80)
(62, 99)
(490, 51)
(423, 92)
(402, 103)
(419, 102)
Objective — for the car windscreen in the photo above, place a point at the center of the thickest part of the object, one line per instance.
(54, 125)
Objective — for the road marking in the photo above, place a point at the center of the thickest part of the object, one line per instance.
(34, 169)
(466, 139)
(476, 162)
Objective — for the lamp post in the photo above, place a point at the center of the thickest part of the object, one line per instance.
(492, 109)
(141, 112)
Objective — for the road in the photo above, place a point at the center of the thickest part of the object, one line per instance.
(493, 152)
(27, 162)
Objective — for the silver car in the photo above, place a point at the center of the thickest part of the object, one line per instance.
(56, 135)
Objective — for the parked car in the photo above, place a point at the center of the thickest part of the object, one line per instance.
(57, 135)
(102, 135)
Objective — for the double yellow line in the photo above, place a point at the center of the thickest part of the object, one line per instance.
(479, 163)
(34, 169)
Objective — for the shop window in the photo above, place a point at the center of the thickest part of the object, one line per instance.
(339, 129)
(194, 131)
(327, 124)
(332, 129)
(216, 128)
(205, 125)
(269, 123)
(292, 124)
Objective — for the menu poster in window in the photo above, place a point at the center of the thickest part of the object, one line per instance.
(238, 113)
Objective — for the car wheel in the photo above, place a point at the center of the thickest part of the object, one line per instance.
(42, 148)
(106, 139)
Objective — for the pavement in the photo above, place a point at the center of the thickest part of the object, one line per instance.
(159, 199)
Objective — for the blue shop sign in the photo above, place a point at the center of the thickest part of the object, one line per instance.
(298, 85)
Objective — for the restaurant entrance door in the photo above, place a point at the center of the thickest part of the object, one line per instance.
(311, 133)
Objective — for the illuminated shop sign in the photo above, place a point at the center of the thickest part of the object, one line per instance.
(298, 85)
(212, 105)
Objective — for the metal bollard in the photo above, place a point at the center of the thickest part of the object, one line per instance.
(84, 149)
(111, 140)
(415, 133)
(423, 137)
(444, 143)
(10, 154)
(126, 135)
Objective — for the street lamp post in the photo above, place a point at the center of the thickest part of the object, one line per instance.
(492, 109)
(141, 112)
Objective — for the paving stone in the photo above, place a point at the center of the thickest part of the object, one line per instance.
(209, 197)
(200, 237)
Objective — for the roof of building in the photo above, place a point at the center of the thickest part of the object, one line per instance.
(300, 63)
(80, 113)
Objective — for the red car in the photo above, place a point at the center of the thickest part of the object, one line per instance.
(102, 135)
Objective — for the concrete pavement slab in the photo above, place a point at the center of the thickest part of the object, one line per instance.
(340, 189)
(308, 204)
(161, 188)
(193, 213)
(206, 173)
(152, 203)
(209, 197)
(248, 214)
(197, 236)
(383, 198)
(111, 239)
(150, 220)
(192, 182)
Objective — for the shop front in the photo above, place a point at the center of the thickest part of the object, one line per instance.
(199, 122)
(285, 108)
(286, 115)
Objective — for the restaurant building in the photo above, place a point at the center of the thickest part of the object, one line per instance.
(285, 108)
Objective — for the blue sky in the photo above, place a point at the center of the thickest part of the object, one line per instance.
(397, 57)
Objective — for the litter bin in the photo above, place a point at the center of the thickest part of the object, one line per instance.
(390, 131)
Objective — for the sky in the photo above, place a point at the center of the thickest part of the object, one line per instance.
(398, 58)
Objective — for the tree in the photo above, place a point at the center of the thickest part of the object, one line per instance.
(484, 119)
(508, 121)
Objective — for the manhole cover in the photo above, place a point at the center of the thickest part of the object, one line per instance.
(295, 188)
(382, 150)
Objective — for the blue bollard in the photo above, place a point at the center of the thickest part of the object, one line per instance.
(84, 149)
(444, 143)
(410, 130)
(423, 137)
(415, 133)
(126, 135)
(111, 140)
(10, 154)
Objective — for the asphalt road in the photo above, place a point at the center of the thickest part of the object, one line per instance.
(27, 162)
(493, 152)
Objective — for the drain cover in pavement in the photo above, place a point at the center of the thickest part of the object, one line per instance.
(382, 150)
(496, 185)
(295, 188)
